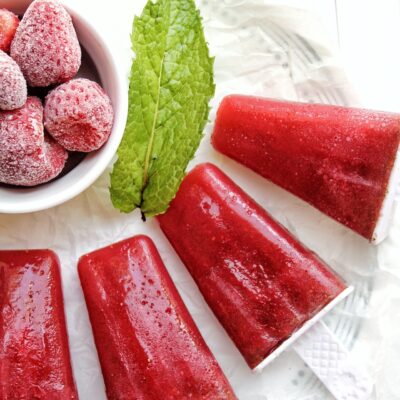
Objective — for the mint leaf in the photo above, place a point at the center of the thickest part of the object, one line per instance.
(170, 89)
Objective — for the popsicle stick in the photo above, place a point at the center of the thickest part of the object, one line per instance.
(397, 197)
(330, 361)
(300, 332)
(392, 196)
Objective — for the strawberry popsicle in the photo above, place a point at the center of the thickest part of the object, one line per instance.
(340, 160)
(148, 344)
(34, 355)
(261, 283)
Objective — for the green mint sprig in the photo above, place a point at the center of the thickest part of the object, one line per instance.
(171, 85)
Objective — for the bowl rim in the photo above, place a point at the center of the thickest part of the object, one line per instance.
(105, 158)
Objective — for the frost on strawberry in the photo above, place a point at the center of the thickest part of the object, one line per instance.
(79, 115)
(46, 46)
(27, 156)
(13, 91)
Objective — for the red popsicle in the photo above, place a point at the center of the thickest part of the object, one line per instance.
(261, 283)
(148, 344)
(337, 159)
(34, 353)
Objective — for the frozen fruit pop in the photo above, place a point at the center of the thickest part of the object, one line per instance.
(337, 159)
(261, 283)
(34, 353)
(148, 344)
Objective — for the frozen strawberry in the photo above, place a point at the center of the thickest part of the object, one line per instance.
(13, 90)
(37, 168)
(79, 115)
(21, 131)
(46, 46)
(8, 26)
(27, 156)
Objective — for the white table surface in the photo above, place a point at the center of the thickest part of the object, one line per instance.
(366, 32)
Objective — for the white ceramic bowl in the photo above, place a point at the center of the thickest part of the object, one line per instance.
(113, 79)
